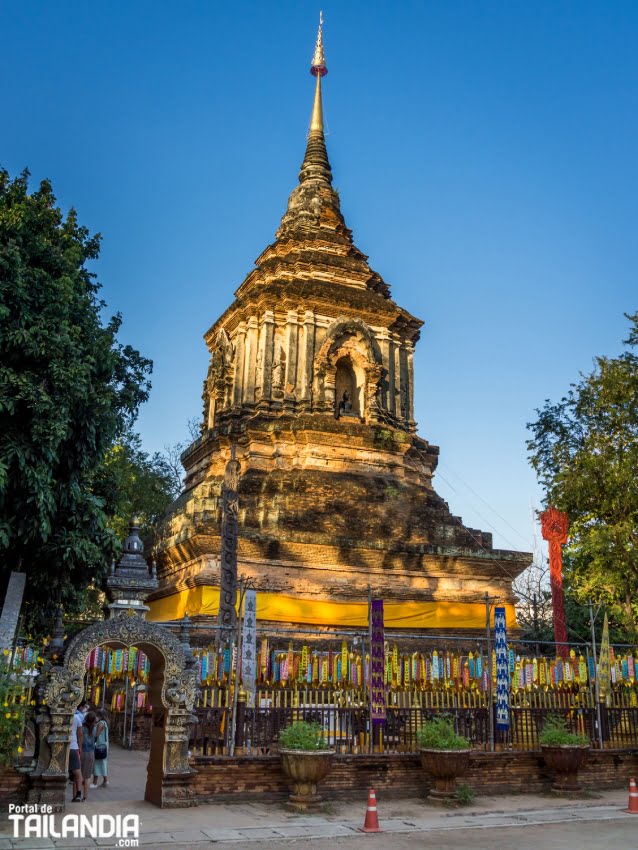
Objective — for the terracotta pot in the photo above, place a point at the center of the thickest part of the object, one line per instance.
(565, 761)
(445, 766)
(304, 769)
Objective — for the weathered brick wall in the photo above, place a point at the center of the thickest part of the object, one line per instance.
(13, 786)
(248, 777)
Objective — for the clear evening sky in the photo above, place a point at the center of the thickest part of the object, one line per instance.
(485, 153)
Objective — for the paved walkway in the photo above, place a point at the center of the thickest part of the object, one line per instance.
(243, 824)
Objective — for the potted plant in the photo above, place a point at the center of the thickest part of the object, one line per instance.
(564, 752)
(306, 761)
(444, 754)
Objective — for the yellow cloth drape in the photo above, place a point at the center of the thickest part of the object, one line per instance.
(279, 608)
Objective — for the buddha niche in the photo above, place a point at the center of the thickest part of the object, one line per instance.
(345, 407)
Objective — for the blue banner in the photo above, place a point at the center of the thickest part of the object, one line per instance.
(502, 671)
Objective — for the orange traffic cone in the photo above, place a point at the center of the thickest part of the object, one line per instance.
(632, 805)
(371, 823)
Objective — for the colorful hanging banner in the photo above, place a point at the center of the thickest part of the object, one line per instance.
(377, 662)
(249, 648)
(502, 670)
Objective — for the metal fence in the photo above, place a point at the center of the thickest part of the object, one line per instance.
(346, 726)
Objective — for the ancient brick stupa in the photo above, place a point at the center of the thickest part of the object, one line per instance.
(311, 378)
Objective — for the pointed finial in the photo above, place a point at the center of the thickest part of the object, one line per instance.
(57, 640)
(318, 67)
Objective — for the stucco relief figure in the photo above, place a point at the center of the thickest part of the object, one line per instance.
(278, 372)
(219, 379)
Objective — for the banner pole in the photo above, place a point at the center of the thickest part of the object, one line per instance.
(596, 682)
(490, 699)
(370, 720)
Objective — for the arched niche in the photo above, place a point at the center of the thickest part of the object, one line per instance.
(349, 358)
(172, 689)
(350, 378)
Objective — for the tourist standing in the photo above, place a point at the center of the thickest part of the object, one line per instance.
(75, 767)
(87, 750)
(101, 751)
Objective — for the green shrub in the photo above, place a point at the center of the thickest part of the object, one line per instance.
(302, 736)
(439, 734)
(556, 733)
(465, 794)
(14, 696)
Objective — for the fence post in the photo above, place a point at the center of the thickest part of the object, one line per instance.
(592, 620)
(240, 719)
(376, 738)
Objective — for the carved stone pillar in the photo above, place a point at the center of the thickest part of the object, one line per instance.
(307, 359)
(238, 377)
(404, 386)
(384, 345)
(373, 376)
(394, 377)
(292, 340)
(250, 361)
(212, 402)
(278, 364)
(329, 390)
(266, 345)
(411, 422)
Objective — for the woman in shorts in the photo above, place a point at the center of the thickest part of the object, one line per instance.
(87, 753)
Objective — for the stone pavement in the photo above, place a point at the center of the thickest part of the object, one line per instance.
(242, 824)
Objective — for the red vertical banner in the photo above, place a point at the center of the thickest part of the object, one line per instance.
(554, 527)
(377, 662)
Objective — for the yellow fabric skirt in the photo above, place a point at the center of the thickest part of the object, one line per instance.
(279, 608)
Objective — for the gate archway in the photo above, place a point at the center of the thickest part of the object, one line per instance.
(172, 688)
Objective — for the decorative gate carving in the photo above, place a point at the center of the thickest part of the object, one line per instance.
(172, 688)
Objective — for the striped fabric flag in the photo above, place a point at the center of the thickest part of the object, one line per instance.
(249, 648)
(502, 671)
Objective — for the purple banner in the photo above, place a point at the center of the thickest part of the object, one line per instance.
(377, 662)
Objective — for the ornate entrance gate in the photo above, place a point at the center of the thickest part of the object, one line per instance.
(172, 690)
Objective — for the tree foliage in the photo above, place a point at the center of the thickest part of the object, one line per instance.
(68, 391)
(136, 484)
(585, 452)
(534, 612)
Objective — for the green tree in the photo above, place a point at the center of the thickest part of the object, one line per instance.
(68, 391)
(585, 453)
(136, 484)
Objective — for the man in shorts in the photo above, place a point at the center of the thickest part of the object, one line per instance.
(75, 768)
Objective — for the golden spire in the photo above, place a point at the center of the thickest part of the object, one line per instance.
(318, 69)
(315, 166)
(316, 120)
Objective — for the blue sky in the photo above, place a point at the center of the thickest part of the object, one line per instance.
(485, 154)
